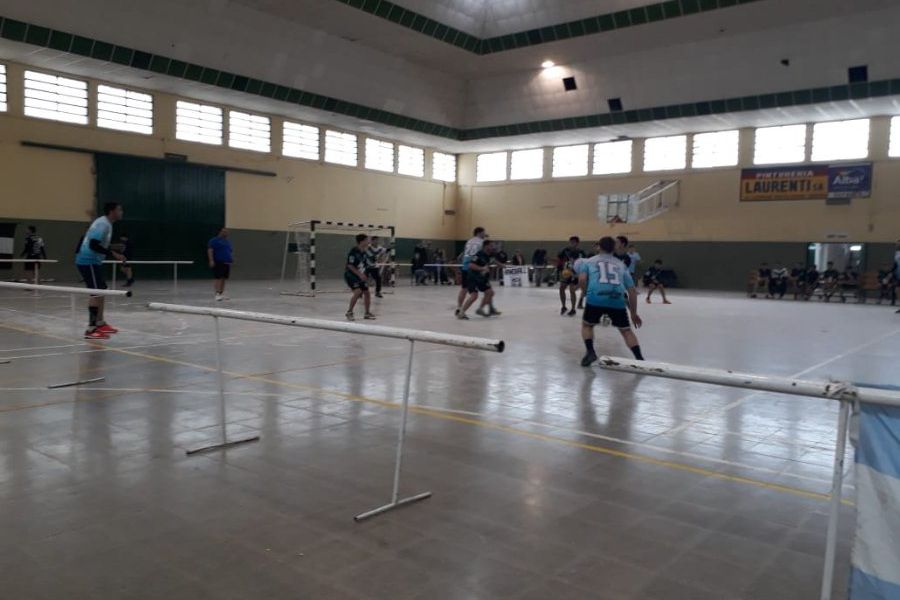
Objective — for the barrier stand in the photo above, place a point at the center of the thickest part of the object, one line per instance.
(412, 336)
(73, 293)
(174, 264)
(844, 393)
(37, 265)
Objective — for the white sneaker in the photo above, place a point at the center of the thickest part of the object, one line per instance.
(219, 297)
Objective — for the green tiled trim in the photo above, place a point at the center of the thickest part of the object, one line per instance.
(74, 44)
(660, 11)
(836, 93)
(18, 31)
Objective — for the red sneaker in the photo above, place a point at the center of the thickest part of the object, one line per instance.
(107, 329)
(95, 335)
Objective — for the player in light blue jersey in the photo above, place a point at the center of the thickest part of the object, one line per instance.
(610, 295)
(92, 251)
(473, 247)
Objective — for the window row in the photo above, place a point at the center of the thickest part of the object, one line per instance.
(838, 140)
(65, 99)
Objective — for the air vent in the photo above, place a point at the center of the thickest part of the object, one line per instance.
(858, 74)
(615, 104)
(569, 84)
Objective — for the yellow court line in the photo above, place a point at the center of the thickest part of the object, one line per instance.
(486, 424)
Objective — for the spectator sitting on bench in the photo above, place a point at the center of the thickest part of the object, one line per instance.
(778, 281)
(812, 282)
(798, 276)
(830, 282)
(887, 284)
(849, 282)
(762, 280)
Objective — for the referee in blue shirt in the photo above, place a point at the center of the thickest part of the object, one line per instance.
(219, 253)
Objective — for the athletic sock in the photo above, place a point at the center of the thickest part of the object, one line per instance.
(589, 345)
(94, 313)
(636, 350)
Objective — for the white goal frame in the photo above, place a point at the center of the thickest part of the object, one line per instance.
(316, 226)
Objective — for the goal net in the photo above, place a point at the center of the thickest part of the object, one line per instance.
(315, 255)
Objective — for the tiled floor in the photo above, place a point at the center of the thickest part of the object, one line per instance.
(550, 481)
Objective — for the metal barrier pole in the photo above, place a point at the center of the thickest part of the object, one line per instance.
(115, 267)
(396, 502)
(175, 277)
(223, 414)
(835, 507)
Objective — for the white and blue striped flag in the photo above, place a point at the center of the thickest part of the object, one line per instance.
(875, 573)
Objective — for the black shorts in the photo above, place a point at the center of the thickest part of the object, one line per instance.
(477, 284)
(93, 276)
(355, 283)
(618, 316)
(221, 270)
(464, 279)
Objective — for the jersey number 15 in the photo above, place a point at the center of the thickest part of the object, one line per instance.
(607, 273)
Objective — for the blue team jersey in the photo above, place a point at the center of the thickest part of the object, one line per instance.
(221, 250)
(608, 281)
(100, 230)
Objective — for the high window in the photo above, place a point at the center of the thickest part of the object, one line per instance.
(249, 132)
(570, 161)
(784, 144)
(526, 164)
(665, 153)
(716, 149)
(300, 141)
(490, 167)
(56, 98)
(198, 122)
(841, 140)
(612, 157)
(341, 148)
(443, 166)
(125, 110)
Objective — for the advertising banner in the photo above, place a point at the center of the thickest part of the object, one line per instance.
(515, 276)
(806, 182)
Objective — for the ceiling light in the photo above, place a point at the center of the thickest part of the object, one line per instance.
(548, 64)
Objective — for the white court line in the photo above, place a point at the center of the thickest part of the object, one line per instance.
(69, 320)
(743, 399)
(483, 416)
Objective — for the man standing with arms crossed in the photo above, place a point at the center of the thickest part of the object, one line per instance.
(473, 247)
(92, 251)
(355, 276)
(374, 263)
(219, 253)
(610, 289)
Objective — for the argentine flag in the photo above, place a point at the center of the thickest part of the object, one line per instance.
(875, 573)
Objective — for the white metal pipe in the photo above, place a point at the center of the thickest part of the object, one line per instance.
(148, 262)
(834, 510)
(220, 376)
(429, 337)
(404, 416)
(781, 385)
(63, 289)
(28, 260)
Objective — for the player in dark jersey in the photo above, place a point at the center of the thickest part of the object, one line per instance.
(621, 252)
(478, 280)
(355, 276)
(568, 278)
(778, 281)
(374, 263)
(653, 281)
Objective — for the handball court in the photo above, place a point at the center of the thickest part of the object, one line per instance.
(549, 480)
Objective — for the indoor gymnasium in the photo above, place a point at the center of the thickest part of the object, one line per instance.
(449, 299)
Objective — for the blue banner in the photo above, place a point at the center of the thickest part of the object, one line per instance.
(850, 181)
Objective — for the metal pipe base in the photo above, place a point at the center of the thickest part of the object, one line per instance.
(223, 446)
(57, 386)
(388, 507)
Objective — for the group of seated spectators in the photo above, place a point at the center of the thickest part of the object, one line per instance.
(807, 281)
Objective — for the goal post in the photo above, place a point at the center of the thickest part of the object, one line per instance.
(299, 276)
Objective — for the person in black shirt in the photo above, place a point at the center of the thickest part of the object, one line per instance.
(621, 251)
(887, 284)
(35, 249)
(763, 274)
(125, 267)
(653, 282)
(798, 276)
(812, 281)
(478, 280)
(374, 255)
(778, 281)
(830, 279)
(568, 279)
(849, 281)
(355, 276)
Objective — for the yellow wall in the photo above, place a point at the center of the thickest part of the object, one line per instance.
(54, 185)
(708, 210)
